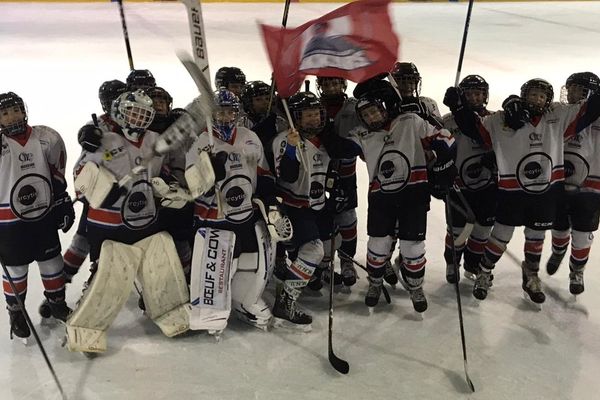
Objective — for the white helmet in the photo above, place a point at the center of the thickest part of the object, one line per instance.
(133, 112)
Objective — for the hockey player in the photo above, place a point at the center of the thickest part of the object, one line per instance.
(230, 78)
(394, 148)
(35, 204)
(301, 164)
(119, 180)
(579, 210)
(140, 79)
(90, 137)
(409, 81)
(527, 138)
(341, 115)
(476, 180)
(232, 247)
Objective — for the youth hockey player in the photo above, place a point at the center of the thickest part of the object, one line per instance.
(394, 150)
(476, 180)
(90, 137)
(230, 78)
(35, 204)
(140, 79)
(118, 180)
(232, 250)
(578, 211)
(341, 115)
(527, 138)
(301, 164)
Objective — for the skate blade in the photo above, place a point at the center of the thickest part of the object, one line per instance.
(280, 323)
(419, 316)
(262, 325)
(216, 334)
(89, 355)
(535, 306)
(371, 310)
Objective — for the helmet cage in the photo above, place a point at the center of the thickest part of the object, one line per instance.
(11, 100)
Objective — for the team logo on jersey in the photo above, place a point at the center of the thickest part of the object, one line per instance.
(316, 190)
(535, 139)
(136, 202)
(31, 197)
(25, 157)
(534, 172)
(577, 170)
(393, 171)
(138, 210)
(235, 196)
(474, 175)
(237, 191)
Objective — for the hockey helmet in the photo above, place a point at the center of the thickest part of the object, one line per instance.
(407, 78)
(226, 115)
(13, 114)
(230, 78)
(251, 91)
(579, 86)
(308, 114)
(140, 79)
(530, 94)
(109, 91)
(475, 83)
(133, 112)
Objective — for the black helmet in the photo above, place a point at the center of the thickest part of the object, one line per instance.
(10, 100)
(476, 82)
(227, 75)
(157, 92)
(586, 80)
(109, 91)
(537, 83)
(404, 72)
(381, 94)
(321, 81)
(140, 79)
(251, 90)
(306, 101)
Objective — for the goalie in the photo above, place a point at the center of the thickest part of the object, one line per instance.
(120, 181)
(233, 249)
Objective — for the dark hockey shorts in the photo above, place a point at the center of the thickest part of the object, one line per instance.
(24, 242)
(482, 202)
(535, 211)
(403, 215)
(309, 225)
(580, 211)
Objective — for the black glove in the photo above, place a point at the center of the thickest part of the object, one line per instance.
(89, 137)
(266, 128)
(454, 98)
(63, 212)
(515, 113)
(441, 178)
(338, 200)
(218, 162)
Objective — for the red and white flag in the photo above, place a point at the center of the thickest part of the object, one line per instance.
(355, 42)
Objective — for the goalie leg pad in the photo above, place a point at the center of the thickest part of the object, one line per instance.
(250, 279)
(104, 298)
(212, 269)
(164, 288)
(95, 183)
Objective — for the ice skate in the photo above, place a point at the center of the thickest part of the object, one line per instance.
(419, 301)
(348, 272)
(576, 286)
(373, 293)
(18, 323)
(257, 315)
(532, 284)
(390, 274)
(45, 313)
(554, 262)
(452, 275)
(483, 282)
(286, 314)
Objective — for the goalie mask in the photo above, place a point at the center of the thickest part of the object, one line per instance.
(13, 114)
(407, 78)
(134, 113)
(476, 90)
(308, 114)
(226, 114)
(537, 94)
(578, 87)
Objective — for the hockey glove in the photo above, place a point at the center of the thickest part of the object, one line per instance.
(63, 212)
(171, 195)
(338, 200)
(441, 178)
(515, 113)
(454, 98)
(218, 162)
(279, 225)
(90, 138)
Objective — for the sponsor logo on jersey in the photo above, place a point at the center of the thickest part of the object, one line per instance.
(316, 190)
(532, 170)
(110, 153)
(136, 202)
(536, 139)
(387, 169)
(27, 195)
(25, 157)
(235, 196)
(569, 169)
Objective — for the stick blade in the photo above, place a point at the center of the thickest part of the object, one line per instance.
(338, 364)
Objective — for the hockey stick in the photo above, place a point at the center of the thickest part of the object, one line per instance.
(337, 363)
(125, 34)
(449, 204)
(386, 294)
(286, 11)
(13, 287)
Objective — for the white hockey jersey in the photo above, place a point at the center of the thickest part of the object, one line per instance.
(136, 208)
(32, 169)
(469, 152)
(231, 200)
(530, 159)
(308, 191)
(582, 160)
